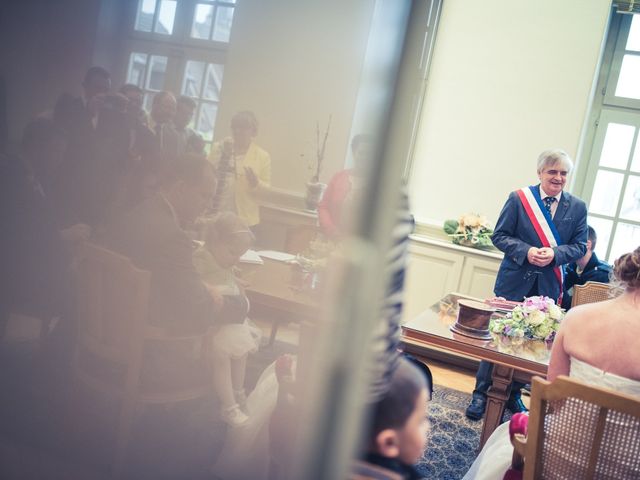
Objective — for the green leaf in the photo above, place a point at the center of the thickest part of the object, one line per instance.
(450, 226)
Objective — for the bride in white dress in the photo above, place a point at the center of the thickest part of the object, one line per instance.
(597, 344)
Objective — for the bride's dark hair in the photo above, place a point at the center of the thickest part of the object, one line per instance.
(627, 269)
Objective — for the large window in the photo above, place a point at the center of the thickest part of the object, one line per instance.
(181, 46)
(612, 185)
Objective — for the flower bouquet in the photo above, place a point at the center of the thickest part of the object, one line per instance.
(538, 318)
(471, 230)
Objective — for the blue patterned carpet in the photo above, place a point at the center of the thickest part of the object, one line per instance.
(454, 438)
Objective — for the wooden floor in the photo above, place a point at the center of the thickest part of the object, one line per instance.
(443, 374)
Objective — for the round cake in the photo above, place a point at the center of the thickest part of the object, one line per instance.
(473, 319)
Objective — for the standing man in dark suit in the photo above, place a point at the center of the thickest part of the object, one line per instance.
(541, 228)
(158, 144)
(97, 149)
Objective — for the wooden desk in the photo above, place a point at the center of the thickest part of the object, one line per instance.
(272, 285)
(528, 357)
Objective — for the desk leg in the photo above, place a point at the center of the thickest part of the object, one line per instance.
(496, 399)
(274, 332)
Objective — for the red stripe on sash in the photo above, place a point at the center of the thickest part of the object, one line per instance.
(534, 220)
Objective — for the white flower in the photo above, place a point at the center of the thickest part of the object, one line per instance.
(535, 318)
(543, 331)
(555, 312)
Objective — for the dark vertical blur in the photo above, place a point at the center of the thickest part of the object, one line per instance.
(199, 313)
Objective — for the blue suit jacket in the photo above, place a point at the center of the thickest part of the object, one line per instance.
(514, 235)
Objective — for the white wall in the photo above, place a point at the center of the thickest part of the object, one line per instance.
(508, 80)
(294, 63)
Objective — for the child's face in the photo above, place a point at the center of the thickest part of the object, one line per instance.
(228, 254)
(412, 438)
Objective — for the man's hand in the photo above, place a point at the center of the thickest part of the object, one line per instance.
(548, 254)
(251, 177)
(218, 298)
(540, 257)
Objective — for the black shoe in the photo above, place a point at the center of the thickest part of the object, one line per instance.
(515, 405)
(475, 410)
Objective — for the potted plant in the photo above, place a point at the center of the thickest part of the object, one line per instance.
(315, 188)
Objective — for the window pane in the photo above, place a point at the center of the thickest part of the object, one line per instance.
(202, 21)
(144, 18)
(635, 165)
(629, 79)
(606, 193)
(192, 81)
(222, 28)
(137, 64)
(213, 82)
(617, 145)
(158, 67)
(633, 40)
(167, 14)
(207, 120)
(627, 239)
(603, 234)
(631, 200)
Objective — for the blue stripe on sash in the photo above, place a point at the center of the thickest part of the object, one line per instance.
(535, 190)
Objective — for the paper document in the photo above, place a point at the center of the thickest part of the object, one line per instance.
(274, 255)
(251, 256)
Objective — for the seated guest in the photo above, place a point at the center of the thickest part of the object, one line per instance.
(243, 170)
(190, 141)
(227, 238)
(399, 426)
(597, 344)
(342, 188)
(586, 269)
(153, 235)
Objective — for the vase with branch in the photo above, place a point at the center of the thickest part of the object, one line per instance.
(315, 188)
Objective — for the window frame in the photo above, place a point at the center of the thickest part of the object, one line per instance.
(607, 108)
(179, 48)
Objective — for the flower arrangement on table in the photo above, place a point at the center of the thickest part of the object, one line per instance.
(537, 318)
(471, 230)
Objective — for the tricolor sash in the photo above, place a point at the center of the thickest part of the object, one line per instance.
(543, 224)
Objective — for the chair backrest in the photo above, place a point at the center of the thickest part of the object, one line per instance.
(112, 304)
(581, 431)
(590, 292)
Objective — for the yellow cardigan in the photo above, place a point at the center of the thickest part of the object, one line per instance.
(246, 198)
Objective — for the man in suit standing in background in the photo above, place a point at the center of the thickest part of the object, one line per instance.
(541, 228)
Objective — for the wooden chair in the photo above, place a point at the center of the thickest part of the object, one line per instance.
(577, 431)
(113, 328)
(590, 292)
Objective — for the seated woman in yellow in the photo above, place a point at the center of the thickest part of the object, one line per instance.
(243, 170)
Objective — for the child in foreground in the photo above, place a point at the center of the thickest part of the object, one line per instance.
(399, 426)
(226, 239)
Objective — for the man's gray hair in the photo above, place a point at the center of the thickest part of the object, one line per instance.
(551, 157)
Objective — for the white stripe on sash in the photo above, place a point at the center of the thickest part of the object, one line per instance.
(542, 220)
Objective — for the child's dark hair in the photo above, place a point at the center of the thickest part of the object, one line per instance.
(224, 227)
(406, 382)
